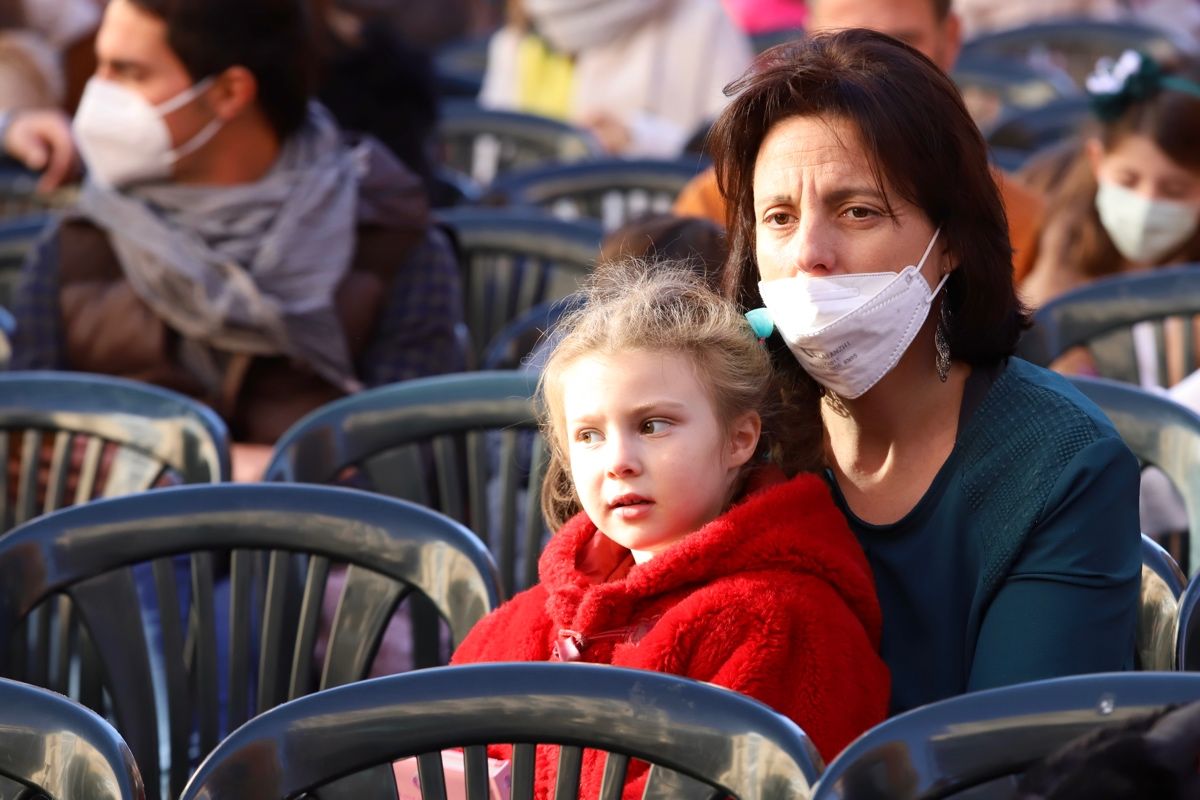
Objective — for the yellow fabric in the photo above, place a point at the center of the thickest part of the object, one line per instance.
(545, 79)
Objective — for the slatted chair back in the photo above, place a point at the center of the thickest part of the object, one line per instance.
(613, 191)
(513, 347)
(1102, 316)
(1163, 583)
(949, 747)
(56, 748)
(1161, 433)
(703, 740)
(484, 143)
(202, 605)
(1075, 45)
(465, 444)
(514, 259)
(1026, 131)
(68, 438)
(8, 326)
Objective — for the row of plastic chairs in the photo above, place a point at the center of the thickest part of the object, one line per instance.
(701, 741)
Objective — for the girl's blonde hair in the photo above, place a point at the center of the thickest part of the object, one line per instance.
(668, 308)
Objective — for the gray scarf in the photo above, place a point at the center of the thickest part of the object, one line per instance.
(250, 268)
(572, 26)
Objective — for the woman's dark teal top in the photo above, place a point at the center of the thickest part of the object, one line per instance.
(1023, 559)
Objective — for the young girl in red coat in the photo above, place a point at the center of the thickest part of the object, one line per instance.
(688, 552)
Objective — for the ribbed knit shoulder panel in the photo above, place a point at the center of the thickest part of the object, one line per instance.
(1026, 430)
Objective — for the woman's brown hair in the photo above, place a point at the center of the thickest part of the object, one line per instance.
(922, 145)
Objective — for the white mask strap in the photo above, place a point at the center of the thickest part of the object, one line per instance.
(925, 255)
(938, 288)
(197, 141)
(183, 98)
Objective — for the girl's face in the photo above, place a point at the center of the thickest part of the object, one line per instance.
(649, 458)
(818, 210)
(1138, 164)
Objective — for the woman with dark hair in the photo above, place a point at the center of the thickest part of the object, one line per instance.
(997, 506)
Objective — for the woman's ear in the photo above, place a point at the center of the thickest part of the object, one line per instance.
(234, 90)
(743, 438)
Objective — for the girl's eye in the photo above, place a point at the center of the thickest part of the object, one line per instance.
(588, 436)
(652, 426)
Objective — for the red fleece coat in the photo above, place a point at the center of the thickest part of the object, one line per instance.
(773, 599)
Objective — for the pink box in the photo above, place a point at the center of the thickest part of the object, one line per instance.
(408, 785)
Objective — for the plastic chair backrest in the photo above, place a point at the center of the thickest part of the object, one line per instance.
(1028, 130)
(459, 67)
(69, 437)
(612, 191)
(952, 745)
(1158, 607)
(1101, 314)
(484, 143)
(1075, 45)
(708, 734)
(1160, 432)
(276, 544)
(466, 445)
(519, 339)
(60, 749)
(514, 259)
(992, 86)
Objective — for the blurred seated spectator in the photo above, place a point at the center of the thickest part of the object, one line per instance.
(375, 83)
(642, 75)
(228, 242)
(764, 16)
(933, 28)
(40, 138)
(1129, 198)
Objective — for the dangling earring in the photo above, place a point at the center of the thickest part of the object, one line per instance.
(942, 359)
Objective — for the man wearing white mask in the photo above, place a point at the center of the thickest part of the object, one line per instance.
(228, 242)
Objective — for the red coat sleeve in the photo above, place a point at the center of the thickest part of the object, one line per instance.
(801, 651)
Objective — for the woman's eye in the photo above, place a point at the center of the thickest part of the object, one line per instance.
(859, 212)
(652, 426)
(779, 218)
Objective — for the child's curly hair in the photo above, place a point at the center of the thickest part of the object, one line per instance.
(666, 307)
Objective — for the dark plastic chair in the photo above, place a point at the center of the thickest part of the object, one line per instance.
(725, 743)
(512, 346)
(1073, 46)
(53, 748)
(1158, 609)
(484, 143)
(993, 86)
(466, 445)
(459, 68)
(613, 190)
(1100, 315)
(8, 326)
(276, 544)
(948, 747)
(68, 437)
(1026, 131)
(1160, 432)
(514, 259)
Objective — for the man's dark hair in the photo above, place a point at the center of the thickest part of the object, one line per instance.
(270, 38)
